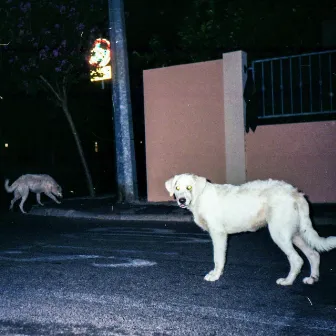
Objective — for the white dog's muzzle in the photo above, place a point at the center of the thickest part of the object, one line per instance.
(182, 202)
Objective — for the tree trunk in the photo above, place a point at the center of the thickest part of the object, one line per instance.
(80, 148)
(61, 100)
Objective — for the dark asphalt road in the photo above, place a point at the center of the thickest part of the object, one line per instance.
(68, 277)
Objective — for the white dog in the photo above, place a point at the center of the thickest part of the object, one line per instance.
(223, 209)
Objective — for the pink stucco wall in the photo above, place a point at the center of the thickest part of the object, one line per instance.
(184, 123)
(193, 121)
(303, 154)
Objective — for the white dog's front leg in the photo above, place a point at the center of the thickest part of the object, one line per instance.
(219, 241)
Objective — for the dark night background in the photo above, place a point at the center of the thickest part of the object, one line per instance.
(159, 33)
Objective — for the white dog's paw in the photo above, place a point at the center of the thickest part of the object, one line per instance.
(284, 282)
(212, 276)
(309, 280)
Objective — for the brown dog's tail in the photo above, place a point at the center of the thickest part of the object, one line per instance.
(11, 188)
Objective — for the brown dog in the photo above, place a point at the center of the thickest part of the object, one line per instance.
(36, 183)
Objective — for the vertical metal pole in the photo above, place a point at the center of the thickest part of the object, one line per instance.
(291, 84)
(123, 123)
(310, 85)
(300, 66)
(320, 83)
(263, 88)
(281, 88)
(272, 87)
(330, 84)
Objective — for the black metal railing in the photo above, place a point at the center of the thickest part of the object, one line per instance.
(299, 85)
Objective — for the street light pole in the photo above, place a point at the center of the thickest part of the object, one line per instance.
(123, 124)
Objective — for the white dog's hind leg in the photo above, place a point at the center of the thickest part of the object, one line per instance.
(313, 258)
(285, 244)
(219, 241)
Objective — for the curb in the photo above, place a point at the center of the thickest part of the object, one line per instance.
(75, 214)
(103, 216)
(324, 221)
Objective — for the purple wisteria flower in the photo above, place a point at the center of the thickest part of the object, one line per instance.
(80, 26)
(25, 7)
(43, 54)
(24, 68)
(32, 62)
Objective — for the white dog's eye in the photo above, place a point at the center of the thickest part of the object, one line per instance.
(177, 188)
(189, 187)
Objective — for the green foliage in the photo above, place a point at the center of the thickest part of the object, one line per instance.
(49, 43)
(49, 39)
(210, 27)
(202, 30)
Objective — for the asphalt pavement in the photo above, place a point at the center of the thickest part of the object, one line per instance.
(88, 277)
(107, 208)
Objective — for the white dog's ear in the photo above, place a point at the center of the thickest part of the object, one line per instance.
(170, 185)
(200, 183)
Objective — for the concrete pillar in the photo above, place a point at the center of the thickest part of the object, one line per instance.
(234, 79)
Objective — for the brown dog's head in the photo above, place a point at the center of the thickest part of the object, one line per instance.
(57, 190)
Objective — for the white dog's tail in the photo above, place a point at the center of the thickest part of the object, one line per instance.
(11, 188)
(307, 231)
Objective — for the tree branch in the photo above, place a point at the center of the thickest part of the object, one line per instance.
(58, 97)
(57, 86)
(64, 90)
(65, 83)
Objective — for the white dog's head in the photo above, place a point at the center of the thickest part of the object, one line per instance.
(186, 188)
